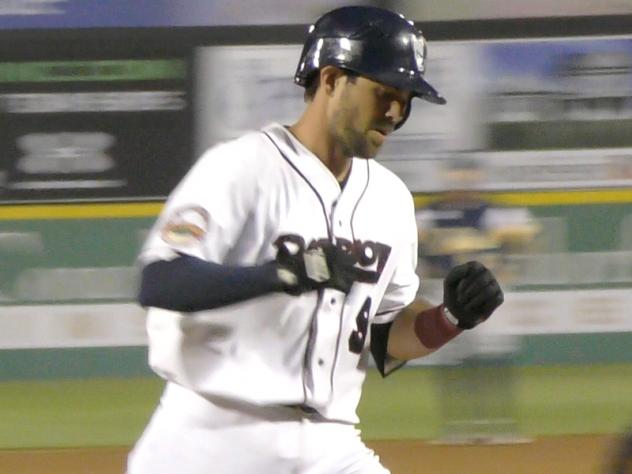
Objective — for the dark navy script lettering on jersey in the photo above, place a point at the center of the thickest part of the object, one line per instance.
(370, 257)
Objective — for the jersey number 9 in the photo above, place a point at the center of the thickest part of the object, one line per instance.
(358, 336)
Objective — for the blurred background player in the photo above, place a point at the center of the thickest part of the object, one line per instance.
(462, 223)
(458, 226)
(285, 259)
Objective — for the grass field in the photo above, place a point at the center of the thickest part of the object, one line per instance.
(113, 411)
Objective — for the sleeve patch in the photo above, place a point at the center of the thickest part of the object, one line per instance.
(186, 226)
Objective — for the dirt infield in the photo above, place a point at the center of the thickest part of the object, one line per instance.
(554, 455)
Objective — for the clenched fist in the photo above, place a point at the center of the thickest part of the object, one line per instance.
(471, 294)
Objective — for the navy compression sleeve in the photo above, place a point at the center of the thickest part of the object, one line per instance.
(190, 284)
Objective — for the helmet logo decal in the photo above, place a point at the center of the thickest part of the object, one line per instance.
(419, 47)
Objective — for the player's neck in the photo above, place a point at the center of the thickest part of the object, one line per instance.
(315, 138)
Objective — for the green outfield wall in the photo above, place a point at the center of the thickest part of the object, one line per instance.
(112, 411)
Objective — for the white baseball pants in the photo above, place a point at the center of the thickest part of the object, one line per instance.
(189, 434)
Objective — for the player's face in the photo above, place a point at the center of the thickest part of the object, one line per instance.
(365, 113)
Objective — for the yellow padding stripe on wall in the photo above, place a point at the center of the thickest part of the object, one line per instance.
(80, 211)
(152, 209)
(576, 197)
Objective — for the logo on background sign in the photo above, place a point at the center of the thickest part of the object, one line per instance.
(370, 257)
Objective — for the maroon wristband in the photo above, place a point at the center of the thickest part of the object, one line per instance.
(433, 329)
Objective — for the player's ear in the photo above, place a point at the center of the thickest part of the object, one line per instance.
(330, 78)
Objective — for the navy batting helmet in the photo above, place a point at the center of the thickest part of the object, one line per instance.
(373, 42)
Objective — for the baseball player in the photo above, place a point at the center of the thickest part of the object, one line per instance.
(284, 260)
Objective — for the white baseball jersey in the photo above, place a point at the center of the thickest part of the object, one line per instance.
(239, 202)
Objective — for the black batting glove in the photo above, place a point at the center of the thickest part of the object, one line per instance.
(471, 294)
(326, 266)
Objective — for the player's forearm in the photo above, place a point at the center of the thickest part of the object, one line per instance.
(419, 330)
(190, 284)
(402, 342)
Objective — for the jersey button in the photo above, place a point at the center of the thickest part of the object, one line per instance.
(321, 362)
(332, 301)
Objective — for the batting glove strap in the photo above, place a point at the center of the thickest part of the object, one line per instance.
(448, 315)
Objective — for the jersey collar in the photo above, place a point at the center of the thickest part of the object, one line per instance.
(319, 176)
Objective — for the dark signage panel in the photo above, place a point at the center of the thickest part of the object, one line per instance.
(98, 129)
